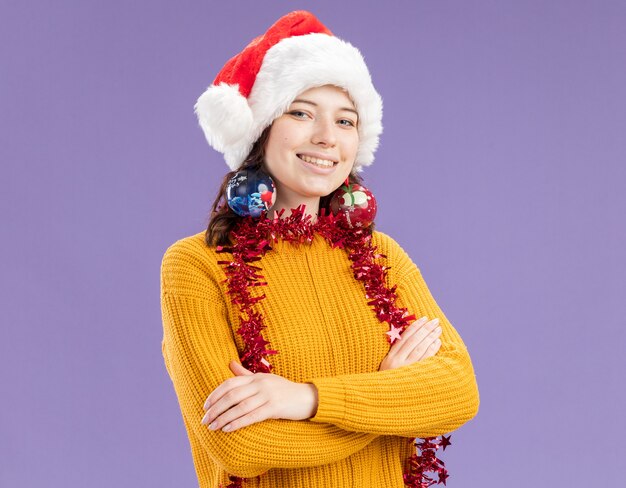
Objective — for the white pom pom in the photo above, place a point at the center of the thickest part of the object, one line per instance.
(224, 115)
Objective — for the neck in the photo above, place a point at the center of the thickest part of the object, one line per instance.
(311, 206)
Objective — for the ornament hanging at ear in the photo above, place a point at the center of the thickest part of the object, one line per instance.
(356, 203)
(250, 192)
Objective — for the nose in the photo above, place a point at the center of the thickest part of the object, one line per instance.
(324, 132)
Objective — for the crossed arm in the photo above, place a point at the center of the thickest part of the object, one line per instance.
(430, 397)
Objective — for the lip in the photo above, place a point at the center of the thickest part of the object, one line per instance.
(316, 169)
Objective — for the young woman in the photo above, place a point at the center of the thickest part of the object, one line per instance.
(290, 333)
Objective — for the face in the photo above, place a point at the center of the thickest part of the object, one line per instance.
(312, 147)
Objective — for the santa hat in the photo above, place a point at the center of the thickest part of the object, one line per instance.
(257, 85)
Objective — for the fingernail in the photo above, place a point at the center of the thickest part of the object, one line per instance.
(226, 428)
(205, 418)
(213, 426)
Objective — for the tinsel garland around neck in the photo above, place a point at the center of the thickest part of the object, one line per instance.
(253, 238)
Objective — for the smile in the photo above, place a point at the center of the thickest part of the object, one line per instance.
(320, 163)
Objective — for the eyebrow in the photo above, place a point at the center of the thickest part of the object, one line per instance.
(315, 105)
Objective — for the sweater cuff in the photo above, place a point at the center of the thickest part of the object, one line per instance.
(331, 400)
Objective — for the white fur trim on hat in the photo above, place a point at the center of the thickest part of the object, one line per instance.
(232, 124)
(224, 115)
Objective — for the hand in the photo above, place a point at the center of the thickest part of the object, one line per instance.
(420, 340)
(250, 397)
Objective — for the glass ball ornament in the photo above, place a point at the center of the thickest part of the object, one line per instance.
(356, 202)
(250, 192)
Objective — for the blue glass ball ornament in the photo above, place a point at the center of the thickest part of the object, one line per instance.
(250, 192)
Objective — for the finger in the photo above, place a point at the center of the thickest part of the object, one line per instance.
(432, 336)
(415, 326)
(236, 413)
(238, 369)
(419, 342)
(420, 354)
(416, 338)
(408, 332)
(225, 387)
(261, 413)
(228, 400)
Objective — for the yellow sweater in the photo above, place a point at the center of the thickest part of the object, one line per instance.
(318, 319)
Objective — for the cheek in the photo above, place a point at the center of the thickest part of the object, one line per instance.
(351, 147)
(279, 146)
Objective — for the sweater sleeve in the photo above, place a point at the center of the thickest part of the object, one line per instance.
(427, 398)
(197, 347)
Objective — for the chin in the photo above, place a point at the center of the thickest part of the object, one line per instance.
(313, 191)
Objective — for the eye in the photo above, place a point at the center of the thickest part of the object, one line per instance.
(348, 124)
(298, 113)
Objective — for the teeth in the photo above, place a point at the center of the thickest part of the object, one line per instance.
(319, 162)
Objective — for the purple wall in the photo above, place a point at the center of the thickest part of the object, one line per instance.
(501, 172)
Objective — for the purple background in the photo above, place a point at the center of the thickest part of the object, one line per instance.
(501, 172)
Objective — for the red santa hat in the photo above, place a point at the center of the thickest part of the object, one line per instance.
(257, 85)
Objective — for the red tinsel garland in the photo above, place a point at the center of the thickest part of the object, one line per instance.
(253, 238)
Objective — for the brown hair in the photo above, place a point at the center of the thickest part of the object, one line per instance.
(223, 219)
